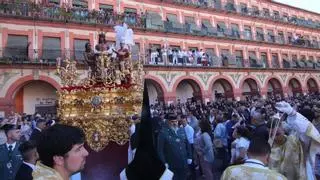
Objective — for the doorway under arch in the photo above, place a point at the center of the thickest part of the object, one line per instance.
(294, 87)
(250, 88)
(312, 86)
(187, 89)
(274, 87)
(221, 88)
(155, 91)
(36, 96)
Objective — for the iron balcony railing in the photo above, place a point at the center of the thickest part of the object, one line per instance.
(77, 15)
(19, 55)
(230, 7)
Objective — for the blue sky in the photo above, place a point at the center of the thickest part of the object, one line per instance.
(310, 5)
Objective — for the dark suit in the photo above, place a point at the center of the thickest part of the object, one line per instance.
(261, 131)
(35, 135)
(24, 172)
(9, 167)
(174, 149)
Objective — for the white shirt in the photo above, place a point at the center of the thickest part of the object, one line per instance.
(33, 167)
(13, 145)
(180, 54)
(190, 133)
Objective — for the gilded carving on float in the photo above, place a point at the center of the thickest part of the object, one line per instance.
(102, 103)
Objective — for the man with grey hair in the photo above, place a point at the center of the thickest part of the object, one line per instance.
(261, 129)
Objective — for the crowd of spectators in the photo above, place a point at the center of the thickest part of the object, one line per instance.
(213, 129)
(189, 57)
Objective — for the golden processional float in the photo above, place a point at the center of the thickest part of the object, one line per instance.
(103, 103)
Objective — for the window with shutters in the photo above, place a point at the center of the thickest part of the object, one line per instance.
(17, 47)
(239, 58)
(247, 32)
(259, 34)
(244, 8)
(271, 37)
(314, 42)
(275, 60)
(285, 16)
(311, 58)
(106, 8)
(264, 60)
(276, 14)
(174, 22)
(253, 59)
(230, 5)
(294, 57)
(154, 21)
(51, 48)
(225, 54)
(281, 37)
(266, 12)
(221, 27)
(255, 10)
(290, 38)
(79, 48)
(135, 52)
(172, 18)
(210, 51)
(235, 30)
(130, 16)
(285, 61)
(80, 4)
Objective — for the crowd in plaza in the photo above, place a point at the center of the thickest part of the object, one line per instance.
(193, 139)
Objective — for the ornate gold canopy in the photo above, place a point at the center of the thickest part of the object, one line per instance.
(102, 103)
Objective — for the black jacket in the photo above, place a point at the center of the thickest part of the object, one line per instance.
(261, 131)
(24, 173)
(35, 135)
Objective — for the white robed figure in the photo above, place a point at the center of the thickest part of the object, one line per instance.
(308, 136)
(124, 35)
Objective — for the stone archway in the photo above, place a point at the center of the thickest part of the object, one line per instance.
(188, 88)
(312, 86)
(274, 87)
(155, 91)
(221, 88)
(250, 88)
(294, 87)
(35, 96)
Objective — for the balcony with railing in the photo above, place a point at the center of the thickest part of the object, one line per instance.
(147, 21)
(246, 11)
(48, 57)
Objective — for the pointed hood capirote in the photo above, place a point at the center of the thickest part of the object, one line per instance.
(146, 163)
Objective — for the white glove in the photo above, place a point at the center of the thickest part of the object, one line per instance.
(189, 161)
(167, 165)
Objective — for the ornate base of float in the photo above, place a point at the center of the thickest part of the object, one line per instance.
(103, 112)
